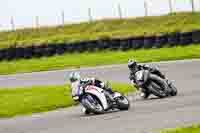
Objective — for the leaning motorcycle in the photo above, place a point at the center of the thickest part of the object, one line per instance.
(150, 83)
(96, 100)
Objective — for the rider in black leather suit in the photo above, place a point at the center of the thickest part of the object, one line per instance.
(134, 67)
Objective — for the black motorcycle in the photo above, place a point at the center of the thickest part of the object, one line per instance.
(150, 83)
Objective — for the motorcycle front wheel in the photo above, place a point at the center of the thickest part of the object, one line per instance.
(158, 86)
(174, 90)
(92, 104)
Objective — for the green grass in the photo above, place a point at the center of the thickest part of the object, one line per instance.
(107, 28)
(77, 60)
(36, 99)
(191, 129)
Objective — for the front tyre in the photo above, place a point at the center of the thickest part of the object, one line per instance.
(158, 86)
(122, 103)
(174, 90)
(157, 91)
(92, 104)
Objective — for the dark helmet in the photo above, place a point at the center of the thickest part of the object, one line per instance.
(132, 65)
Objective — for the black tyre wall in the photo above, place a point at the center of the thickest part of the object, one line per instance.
(186, 38)
(173, 39)
(168, 40)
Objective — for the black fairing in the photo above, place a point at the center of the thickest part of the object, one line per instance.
(146, 76)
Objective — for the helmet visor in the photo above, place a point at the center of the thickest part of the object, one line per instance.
(73, 79)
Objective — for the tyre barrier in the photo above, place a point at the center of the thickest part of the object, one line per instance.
(2, 54)
(92, 46)
(137, 42)
(196, 36)
(113, 44)
(60, 49)
(102, 44)
(37, 51)
(173, 39)
(10, 53)
(27, 53)
(81, 47)
(160, 41)
(149, 42)
(186, 38)
(51, 50)
(70, 47)
(124, 44)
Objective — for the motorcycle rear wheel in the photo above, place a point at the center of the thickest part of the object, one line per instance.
(174, 90)
(122, 103)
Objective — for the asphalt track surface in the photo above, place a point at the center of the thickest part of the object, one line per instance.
(144, 116)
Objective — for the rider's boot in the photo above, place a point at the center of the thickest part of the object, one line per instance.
(144, 95)
(85, 111)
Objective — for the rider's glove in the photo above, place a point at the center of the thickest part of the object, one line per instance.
(137, 87)
(102, 85)
(75, 98)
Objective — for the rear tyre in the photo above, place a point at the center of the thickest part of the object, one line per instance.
(122, 103)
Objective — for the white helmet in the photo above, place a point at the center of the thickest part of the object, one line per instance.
(74, 76)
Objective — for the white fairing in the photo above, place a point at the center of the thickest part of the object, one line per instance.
(117, 94)
(99, 93)
(139, 75)
(76, 88)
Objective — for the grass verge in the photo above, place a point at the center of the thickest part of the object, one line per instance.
(77, 60)
(36, 99)
(191, 129)
(107, 28)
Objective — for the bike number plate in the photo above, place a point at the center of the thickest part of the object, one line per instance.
(139, 75)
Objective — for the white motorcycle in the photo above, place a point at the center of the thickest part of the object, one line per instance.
(96, 100)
